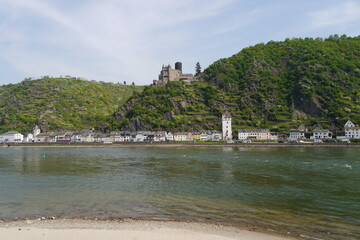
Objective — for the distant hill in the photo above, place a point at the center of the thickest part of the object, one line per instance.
(61, 104)
(277, 85)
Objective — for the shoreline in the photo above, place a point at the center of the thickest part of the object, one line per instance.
(149, 145)
(127, 229)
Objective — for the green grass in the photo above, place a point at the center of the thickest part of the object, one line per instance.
(61, 104)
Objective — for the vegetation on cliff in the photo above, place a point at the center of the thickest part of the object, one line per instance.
(61, 104)
(277, 85)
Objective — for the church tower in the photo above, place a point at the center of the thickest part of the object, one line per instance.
(226, 126)
(36, 130)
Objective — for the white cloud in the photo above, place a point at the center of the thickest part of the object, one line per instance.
(122, 40)
(342, 13)
(110, 39)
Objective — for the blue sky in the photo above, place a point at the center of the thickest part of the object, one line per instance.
(118, 40)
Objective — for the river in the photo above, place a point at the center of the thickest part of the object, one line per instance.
(312, 192)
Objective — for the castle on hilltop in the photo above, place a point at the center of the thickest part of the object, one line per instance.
(167, 74)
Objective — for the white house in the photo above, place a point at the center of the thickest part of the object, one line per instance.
(125, 136)
(115, 136)
(243, 134)
(53, 137)
(121, 136)
(140, 137)
(258, 134)
(28, 138)
(133, 136)
(351, 131)
(11, 137)
(149, 136)
(62, 137)
(226, 126)
(296, 134)
(169, 136)
(76, 137)
(216, 136)
(42, 137)
(318, 132)
(180, 136)
(299, 133)
(106, 138)
(87, 135)
(321, 133)
(144, 136)
(160, 136)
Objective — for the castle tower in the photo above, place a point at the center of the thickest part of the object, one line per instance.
(178, 66)
(226, 126)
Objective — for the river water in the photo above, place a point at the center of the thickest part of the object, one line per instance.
(310, 192)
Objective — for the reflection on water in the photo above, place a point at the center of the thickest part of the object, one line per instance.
(314, 191)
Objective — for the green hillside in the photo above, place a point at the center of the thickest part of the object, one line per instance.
(60, 104)
(276, 85)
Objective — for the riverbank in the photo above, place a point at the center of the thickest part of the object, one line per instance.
(205, 144)
(125, 229)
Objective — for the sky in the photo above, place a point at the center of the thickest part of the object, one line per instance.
(118, 40)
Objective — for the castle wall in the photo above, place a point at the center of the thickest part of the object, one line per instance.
(174, 75)
(167, 74)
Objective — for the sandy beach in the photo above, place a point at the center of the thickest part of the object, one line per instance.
(131, 229)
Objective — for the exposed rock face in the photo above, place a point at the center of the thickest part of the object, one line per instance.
(136, 125)
(309, 105)
(169, 115)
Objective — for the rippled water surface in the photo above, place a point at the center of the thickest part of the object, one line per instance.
(315, 192)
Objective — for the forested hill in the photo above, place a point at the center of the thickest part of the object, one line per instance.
(276, 85)
(60, 104)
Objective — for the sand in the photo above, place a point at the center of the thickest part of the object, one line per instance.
(129, 230)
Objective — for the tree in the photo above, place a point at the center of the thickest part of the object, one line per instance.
(124, 82)
(133, 84)
(197, 69)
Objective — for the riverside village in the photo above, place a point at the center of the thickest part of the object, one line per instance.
(300, 135)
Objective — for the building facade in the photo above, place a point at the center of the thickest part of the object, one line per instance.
(351, 131)
(255, 134)
(226, 126)
(36, 130)
(296, 134)
(11, 137)
(180, 136)
(168, 74)
(321, 133)
(299, 133)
